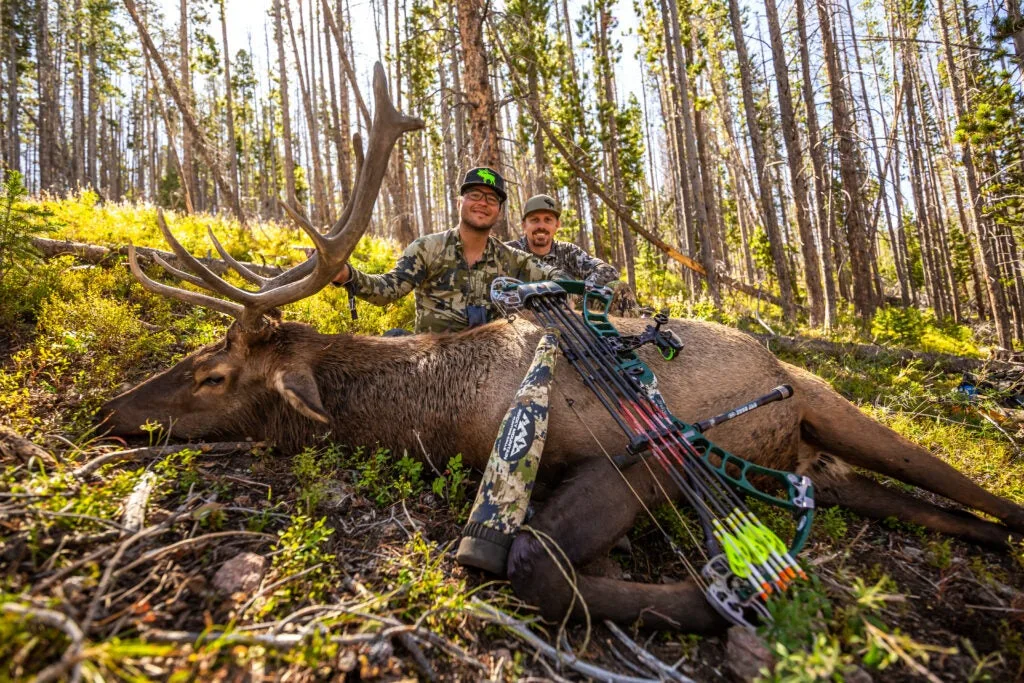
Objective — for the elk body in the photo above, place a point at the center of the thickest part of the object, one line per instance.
(446, 394)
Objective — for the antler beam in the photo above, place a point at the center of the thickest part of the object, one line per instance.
(332, 249)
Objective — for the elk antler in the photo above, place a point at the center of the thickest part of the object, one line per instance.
(332, 249)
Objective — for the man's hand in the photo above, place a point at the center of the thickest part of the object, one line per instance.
(624, 300)
(343, 276)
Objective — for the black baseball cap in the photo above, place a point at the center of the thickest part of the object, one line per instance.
(485, 177)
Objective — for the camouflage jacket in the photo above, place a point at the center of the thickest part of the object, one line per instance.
(435, 267)
(573, 260)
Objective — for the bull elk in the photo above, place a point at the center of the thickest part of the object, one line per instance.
(447, 393)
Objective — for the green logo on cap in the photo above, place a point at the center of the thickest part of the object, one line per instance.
(486, 175)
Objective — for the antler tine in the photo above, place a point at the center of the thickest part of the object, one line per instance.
(334, 248)
(180, 274)
(195, 298)
(231, 261)
(210, 280)
(388, 125)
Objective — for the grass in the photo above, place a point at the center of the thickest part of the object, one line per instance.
(370, 530)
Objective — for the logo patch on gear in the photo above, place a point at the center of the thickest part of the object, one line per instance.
(487, 176)
(517, 436)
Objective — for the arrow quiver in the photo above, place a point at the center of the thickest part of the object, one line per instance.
(747, 561)
(504, 494)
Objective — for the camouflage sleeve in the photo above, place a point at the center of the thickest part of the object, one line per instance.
(530, 269)
(590, 267)
(407, 274)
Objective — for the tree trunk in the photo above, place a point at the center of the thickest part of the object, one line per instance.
(990, 265)
(189, 179)
(286, 123)
(203, 147)
(483, 123)
(857, 234)
(233, 197)
(794, 156)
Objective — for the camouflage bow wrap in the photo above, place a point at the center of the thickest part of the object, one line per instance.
(504, 494)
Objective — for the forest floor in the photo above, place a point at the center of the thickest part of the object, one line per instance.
(352, 569)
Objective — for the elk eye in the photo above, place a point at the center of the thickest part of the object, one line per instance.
(213, 380)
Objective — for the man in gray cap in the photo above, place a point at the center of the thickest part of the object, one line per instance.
(541, 220)
(451, 272)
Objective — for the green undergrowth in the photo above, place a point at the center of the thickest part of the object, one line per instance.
(78, 334)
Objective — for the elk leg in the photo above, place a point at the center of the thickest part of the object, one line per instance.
(585, 516)
(840, 428)
(872, 499)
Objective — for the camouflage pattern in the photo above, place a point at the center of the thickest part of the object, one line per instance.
(445, 285)
(504, 494)
(570, 258)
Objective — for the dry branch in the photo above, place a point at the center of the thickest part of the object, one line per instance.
(135, 507)
(485, 611)
(105, 256)
(219, 447)
(13, 445)
(69, 663)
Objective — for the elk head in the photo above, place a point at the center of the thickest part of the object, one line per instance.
(261, 366)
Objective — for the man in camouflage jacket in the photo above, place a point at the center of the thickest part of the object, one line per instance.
(451, 272)
(541, 220)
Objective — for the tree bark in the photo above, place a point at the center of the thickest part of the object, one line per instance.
(857, 234)
(483, 123)
(771, 220)
(286, 123)
(232, 151)
(794, 156)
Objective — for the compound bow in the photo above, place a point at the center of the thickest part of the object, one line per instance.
(748, 562)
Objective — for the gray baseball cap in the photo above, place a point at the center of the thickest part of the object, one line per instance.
(542, 202)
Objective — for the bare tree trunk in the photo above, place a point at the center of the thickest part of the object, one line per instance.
(189, 178)
(483, 121)
(318, 198)
(341, 143)
(794, 156)
(771, 221)
(857, 237)
(233, 197)
(48, 164)
(204, 148)
(289, 160)
(78, 102)
(12, 139)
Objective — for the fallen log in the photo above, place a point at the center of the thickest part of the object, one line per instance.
(939, 361)
(105, 256)
(14, 445)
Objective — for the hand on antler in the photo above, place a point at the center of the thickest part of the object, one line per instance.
(343, 276)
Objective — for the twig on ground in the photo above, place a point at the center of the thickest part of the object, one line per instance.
(134, 516)
(88, 468)
(266, 589)
(69, 663)
(408, 641)
(157, 552)
(485, 611)
(426, 455)
(646, 657)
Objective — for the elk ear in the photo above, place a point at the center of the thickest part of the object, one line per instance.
(299, 389)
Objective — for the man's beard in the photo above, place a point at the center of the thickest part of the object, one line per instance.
(478, 224)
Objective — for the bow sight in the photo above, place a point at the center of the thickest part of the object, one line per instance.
(747, 561)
